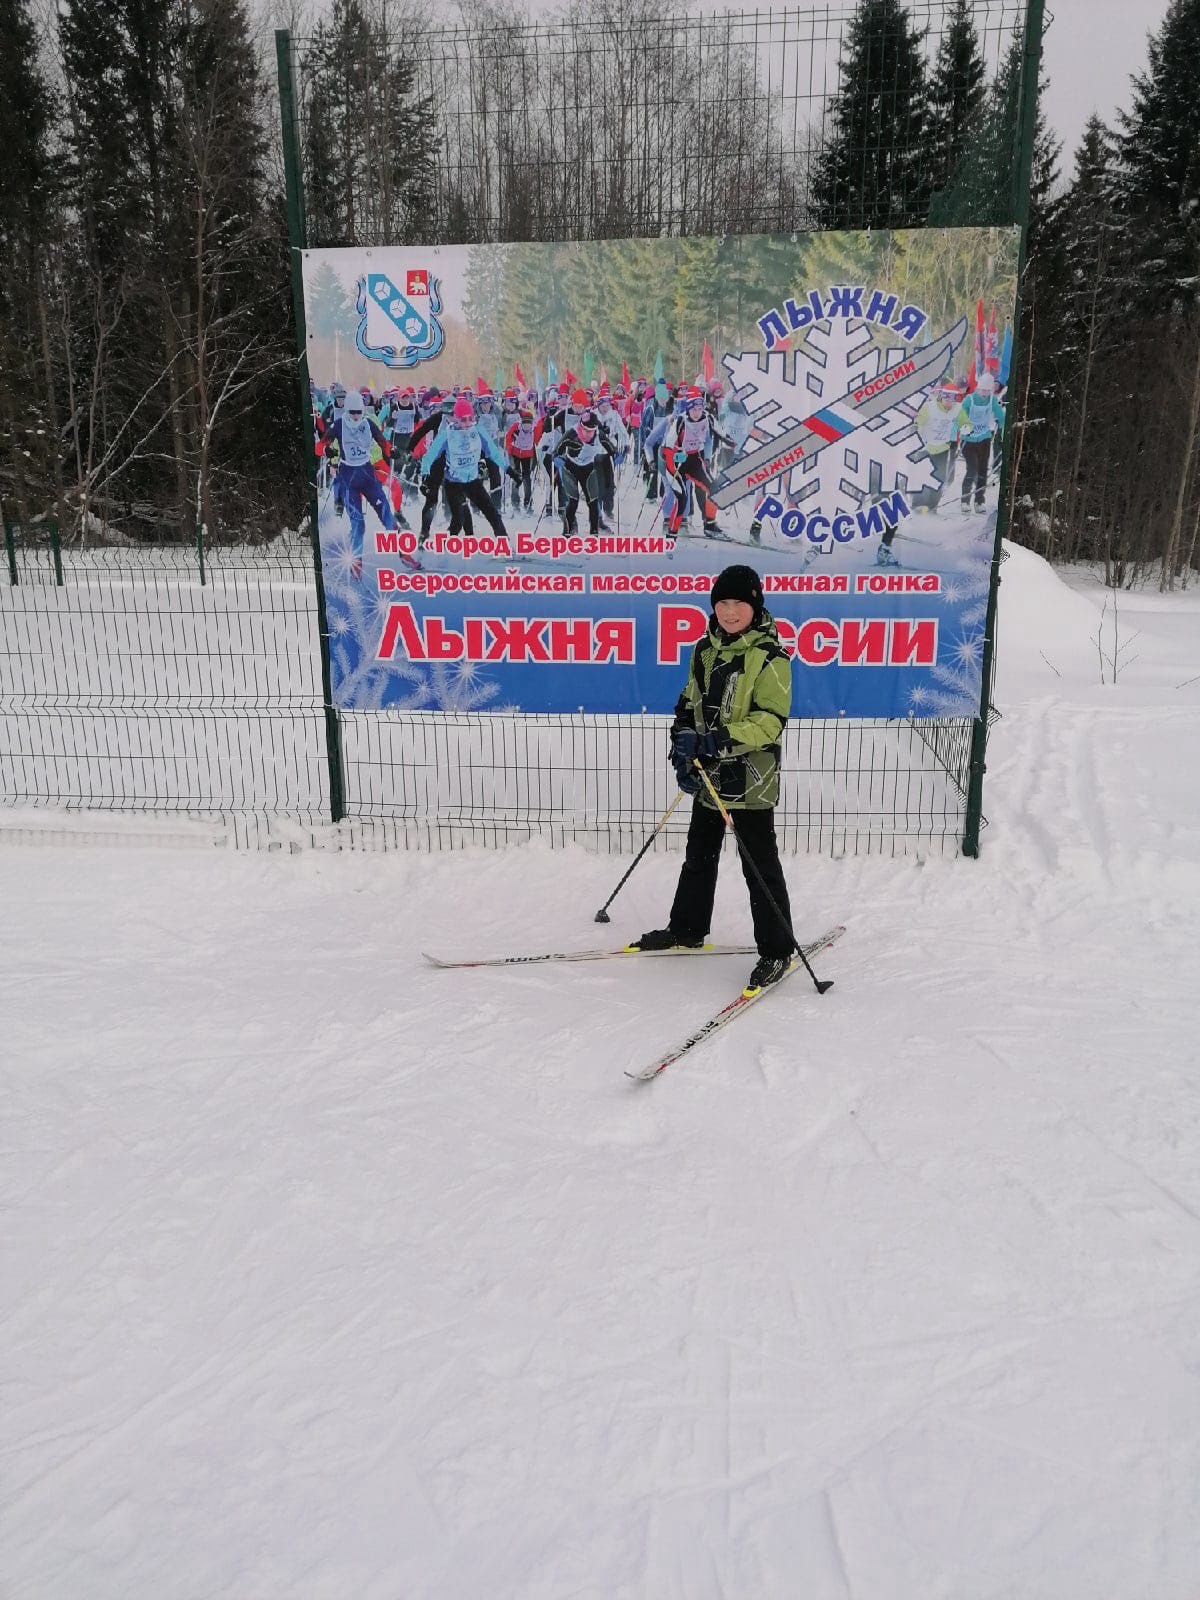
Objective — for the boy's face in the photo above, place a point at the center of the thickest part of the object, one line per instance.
(735, 616)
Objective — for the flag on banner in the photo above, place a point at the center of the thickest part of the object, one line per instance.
(519, 376)
(551, 374)
(660, 388)
(569, 378)
(992, 345)
(710, 368)
(589, 364)
(499, 389)
(978, 358)
(1006, 355)
(537, 378)
(481, 386)
(625, 373)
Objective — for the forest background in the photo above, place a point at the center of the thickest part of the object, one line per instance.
(147, 355)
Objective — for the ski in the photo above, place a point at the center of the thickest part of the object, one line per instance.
(591, 955)
(736, 1007)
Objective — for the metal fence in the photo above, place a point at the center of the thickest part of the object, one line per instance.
(133, 686)
(193, 680)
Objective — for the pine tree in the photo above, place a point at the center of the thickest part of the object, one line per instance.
(1079, 346)
(369, 139)
(1159, 173)
(229, 264)
(29, 460)
(957, 96)
(874, 170)
(1035, 383)
(103, 177)
(981, 191)
(27, 117)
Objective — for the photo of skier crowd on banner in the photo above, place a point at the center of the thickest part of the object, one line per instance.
(557, 452)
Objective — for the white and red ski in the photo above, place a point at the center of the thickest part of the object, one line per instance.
(592, 955)
(736, 1008)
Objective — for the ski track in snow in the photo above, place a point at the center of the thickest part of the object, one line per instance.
(328, 1274)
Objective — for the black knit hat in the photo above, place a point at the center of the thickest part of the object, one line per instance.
(740, 583)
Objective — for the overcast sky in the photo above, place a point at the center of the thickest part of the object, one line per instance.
(1092, 48)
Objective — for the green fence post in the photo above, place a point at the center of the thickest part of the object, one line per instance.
(56, 551)
(1031, 67)
(297, 239)
(10, 547)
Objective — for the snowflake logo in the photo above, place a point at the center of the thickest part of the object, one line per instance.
(781, 390)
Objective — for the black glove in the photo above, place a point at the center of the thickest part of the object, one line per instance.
(686, 747)
(685, 773)
(683, 751)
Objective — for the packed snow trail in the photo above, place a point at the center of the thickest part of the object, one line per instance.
(329, 1274)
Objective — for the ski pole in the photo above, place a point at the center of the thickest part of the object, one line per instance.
(753, 865)
(602, 915)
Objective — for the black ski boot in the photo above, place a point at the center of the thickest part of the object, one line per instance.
(664, 939)
(768, 970)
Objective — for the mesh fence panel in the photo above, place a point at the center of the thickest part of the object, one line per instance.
(133, 686)
(570, 128)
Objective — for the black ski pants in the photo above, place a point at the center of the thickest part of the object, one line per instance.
(692, 908)
(432, 489)
(520, 470)
(573, 484)
(460, 494)
(977, 460)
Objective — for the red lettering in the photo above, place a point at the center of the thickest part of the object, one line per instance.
(401, 624)
(570, 639)
(817, 642)
(442, 643)
(517, 639)
(476, 635)
(615, 641)
(914, 642)
(678, 626)
(864, 644)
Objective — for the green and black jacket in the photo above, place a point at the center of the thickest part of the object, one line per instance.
(742, 685)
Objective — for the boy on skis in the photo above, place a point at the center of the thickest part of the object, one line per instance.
(730, 717)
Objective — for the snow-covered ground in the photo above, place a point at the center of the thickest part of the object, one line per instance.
(327, 1274)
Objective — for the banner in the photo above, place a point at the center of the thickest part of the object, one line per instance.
(826, 408)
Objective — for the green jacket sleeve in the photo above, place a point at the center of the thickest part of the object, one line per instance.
(770, 703)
